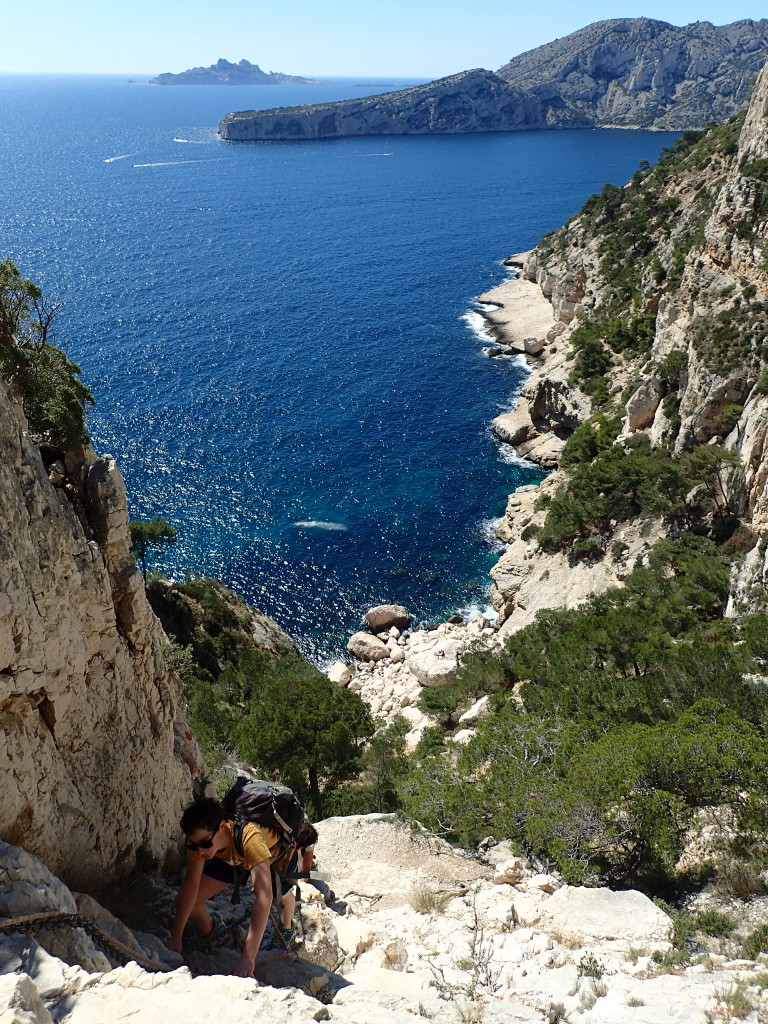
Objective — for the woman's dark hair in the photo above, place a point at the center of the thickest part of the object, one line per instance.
(205, 813)
(306, 836)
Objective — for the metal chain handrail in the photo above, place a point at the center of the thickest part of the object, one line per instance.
(38, 922)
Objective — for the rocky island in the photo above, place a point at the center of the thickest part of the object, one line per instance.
(627, 72)
(223, 72)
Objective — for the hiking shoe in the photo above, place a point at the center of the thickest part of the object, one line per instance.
(281, 939)
(202, 943)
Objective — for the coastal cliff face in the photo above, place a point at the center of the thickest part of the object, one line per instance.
(640, 73)
(473, 101)
(97, 756)
(629, 72)
(673, 266)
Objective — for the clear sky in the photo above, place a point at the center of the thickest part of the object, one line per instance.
(398, 38)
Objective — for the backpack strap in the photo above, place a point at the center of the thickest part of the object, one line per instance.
(277, 882)
(280, 821)
(237, 839)
(237, 833)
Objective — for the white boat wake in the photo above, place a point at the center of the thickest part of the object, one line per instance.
(319, 524)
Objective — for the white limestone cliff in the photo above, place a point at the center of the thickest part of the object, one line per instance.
(95, 747)
(722, 277)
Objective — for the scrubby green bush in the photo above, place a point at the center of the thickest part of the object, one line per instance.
(383, 766)
(621, 483)
(47, 383)
(595, 435)
(715, 923)
(733, 338)
(633, 711)
(727, 418)
(304, 729)
(276, 709)
(594, 341)
(755, 169)
(684, 924)
(756, 942)
(671, 368)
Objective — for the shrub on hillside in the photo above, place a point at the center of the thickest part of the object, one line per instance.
(621, 483)
(633, 711)
(305, 729)
(47, 383)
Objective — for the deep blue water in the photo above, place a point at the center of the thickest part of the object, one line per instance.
(275, 332)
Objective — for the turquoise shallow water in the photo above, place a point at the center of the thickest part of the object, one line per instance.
(277, 335)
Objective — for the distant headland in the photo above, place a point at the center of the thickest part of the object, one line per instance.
(223, 72)
(623, 73)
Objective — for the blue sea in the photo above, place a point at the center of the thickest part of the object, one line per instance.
(279, 336)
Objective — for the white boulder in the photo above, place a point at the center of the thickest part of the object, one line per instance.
(463, 736)
(22, 1001)
(515, 427)
(587, 916)
(340, 673)
(367, 647)
(384, 616)
(433, 665)
(473, 715)
(533, 346)
(28, 887)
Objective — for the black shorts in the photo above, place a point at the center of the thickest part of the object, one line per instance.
(287, 875)
(223, 872)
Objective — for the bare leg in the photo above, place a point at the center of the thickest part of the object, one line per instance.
(289, 906)
(199, 915)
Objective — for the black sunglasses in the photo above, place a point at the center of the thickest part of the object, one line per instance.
(204, 844)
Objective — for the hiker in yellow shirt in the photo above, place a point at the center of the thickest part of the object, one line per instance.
(211, 857)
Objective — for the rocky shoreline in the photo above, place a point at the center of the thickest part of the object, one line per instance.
(531, 314)
(392, 662)
(395, 663)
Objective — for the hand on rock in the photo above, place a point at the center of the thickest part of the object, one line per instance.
(242, 967)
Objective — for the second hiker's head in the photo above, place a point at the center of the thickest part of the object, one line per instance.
(204, 814)
(306, 836)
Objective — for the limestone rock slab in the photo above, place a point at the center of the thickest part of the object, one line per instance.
(90, 714)
(585, 916)
(433, 666)
(515, 427)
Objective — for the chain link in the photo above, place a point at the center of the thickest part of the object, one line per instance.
(56, 919)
